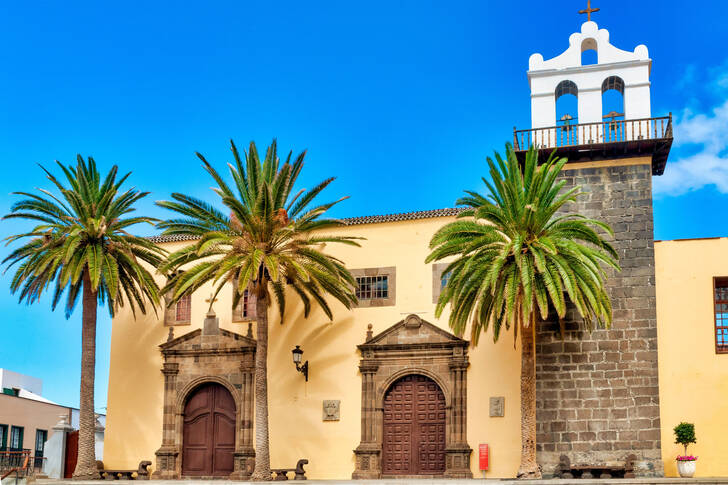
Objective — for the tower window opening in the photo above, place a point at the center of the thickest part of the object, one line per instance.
(613, 108)
(589, 53)
(567, 109)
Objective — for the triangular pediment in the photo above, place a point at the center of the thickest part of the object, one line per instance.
(196, 340)
(412, 330)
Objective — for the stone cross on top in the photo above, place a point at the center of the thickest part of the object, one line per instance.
(211, 300)
(588, 10)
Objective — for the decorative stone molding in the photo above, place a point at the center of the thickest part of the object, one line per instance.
(413, 346)
(207, 355)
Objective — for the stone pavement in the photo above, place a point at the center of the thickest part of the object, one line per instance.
(494, 481)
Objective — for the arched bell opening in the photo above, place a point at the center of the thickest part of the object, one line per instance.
(589, 53)
(567, 110)
(613, 109)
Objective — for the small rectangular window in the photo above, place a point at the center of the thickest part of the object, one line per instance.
(720, 307)
(3, 437)
(179, 313)
(245, 311)
(372, 287)
(41, 436)
(183, 309)
(16, 438)
(439, 279)
(375, 286)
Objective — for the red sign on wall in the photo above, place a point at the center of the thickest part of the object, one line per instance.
(483, 456)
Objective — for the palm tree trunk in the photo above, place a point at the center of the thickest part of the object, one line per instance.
(529, 466)
(262, 441)
(86, 464)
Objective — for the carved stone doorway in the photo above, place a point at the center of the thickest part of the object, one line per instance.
(208, 381)
(414, 428)
(208, 436)
(418, 352)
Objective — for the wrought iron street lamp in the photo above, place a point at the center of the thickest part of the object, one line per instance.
(297, 356)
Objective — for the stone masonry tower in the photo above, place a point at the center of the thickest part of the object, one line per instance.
(597, 392)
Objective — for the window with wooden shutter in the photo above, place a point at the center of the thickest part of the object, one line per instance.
(245, 309)
(179, 313)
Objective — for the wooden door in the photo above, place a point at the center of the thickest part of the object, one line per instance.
(208, 437)
(71, 454)
(414, 428)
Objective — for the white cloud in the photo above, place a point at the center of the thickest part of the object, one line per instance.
(709, 165)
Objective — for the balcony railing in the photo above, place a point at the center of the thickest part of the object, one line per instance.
(611, 131)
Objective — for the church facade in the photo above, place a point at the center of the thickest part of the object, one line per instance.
(389, 391)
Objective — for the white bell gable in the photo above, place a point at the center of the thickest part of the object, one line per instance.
(627, 72)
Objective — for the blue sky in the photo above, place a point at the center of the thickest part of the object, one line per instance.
(401, 101)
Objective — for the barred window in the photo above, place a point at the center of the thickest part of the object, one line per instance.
(720, 286)
(372, 287)
(183, 309)
(375, 287)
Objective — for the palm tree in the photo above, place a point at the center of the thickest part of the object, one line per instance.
(80, 246)
(515, 258)
(271, 240)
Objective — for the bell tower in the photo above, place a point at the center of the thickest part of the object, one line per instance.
(597, 391)
(626, 72)
(594, 129)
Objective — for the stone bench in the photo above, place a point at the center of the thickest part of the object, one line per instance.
(282, 473)
(142, 473)
(597, 470)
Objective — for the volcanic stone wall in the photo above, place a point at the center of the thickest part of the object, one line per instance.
(597, 393)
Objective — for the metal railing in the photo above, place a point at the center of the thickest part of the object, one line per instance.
(610, 131)
(20, 461)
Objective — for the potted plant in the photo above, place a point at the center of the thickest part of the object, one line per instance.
(684, 435)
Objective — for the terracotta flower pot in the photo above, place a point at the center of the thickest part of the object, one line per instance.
(686, 468)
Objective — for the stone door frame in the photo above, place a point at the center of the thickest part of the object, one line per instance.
(413, 346)
(220, 357)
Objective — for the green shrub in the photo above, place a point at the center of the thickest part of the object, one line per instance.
(685, 434)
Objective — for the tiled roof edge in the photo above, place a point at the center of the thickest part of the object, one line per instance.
(349, 221)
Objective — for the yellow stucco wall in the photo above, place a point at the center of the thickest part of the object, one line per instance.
(134, 417)
(693, 378)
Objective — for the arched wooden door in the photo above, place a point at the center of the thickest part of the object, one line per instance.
(208, 437)
(414, 428)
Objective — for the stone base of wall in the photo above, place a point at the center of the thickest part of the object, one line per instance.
(648, 465)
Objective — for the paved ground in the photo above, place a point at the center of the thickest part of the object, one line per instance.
(616, 481)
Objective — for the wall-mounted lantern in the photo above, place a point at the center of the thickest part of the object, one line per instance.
(297, 356)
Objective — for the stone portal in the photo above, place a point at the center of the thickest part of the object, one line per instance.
(208, 358)
(428, 360)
